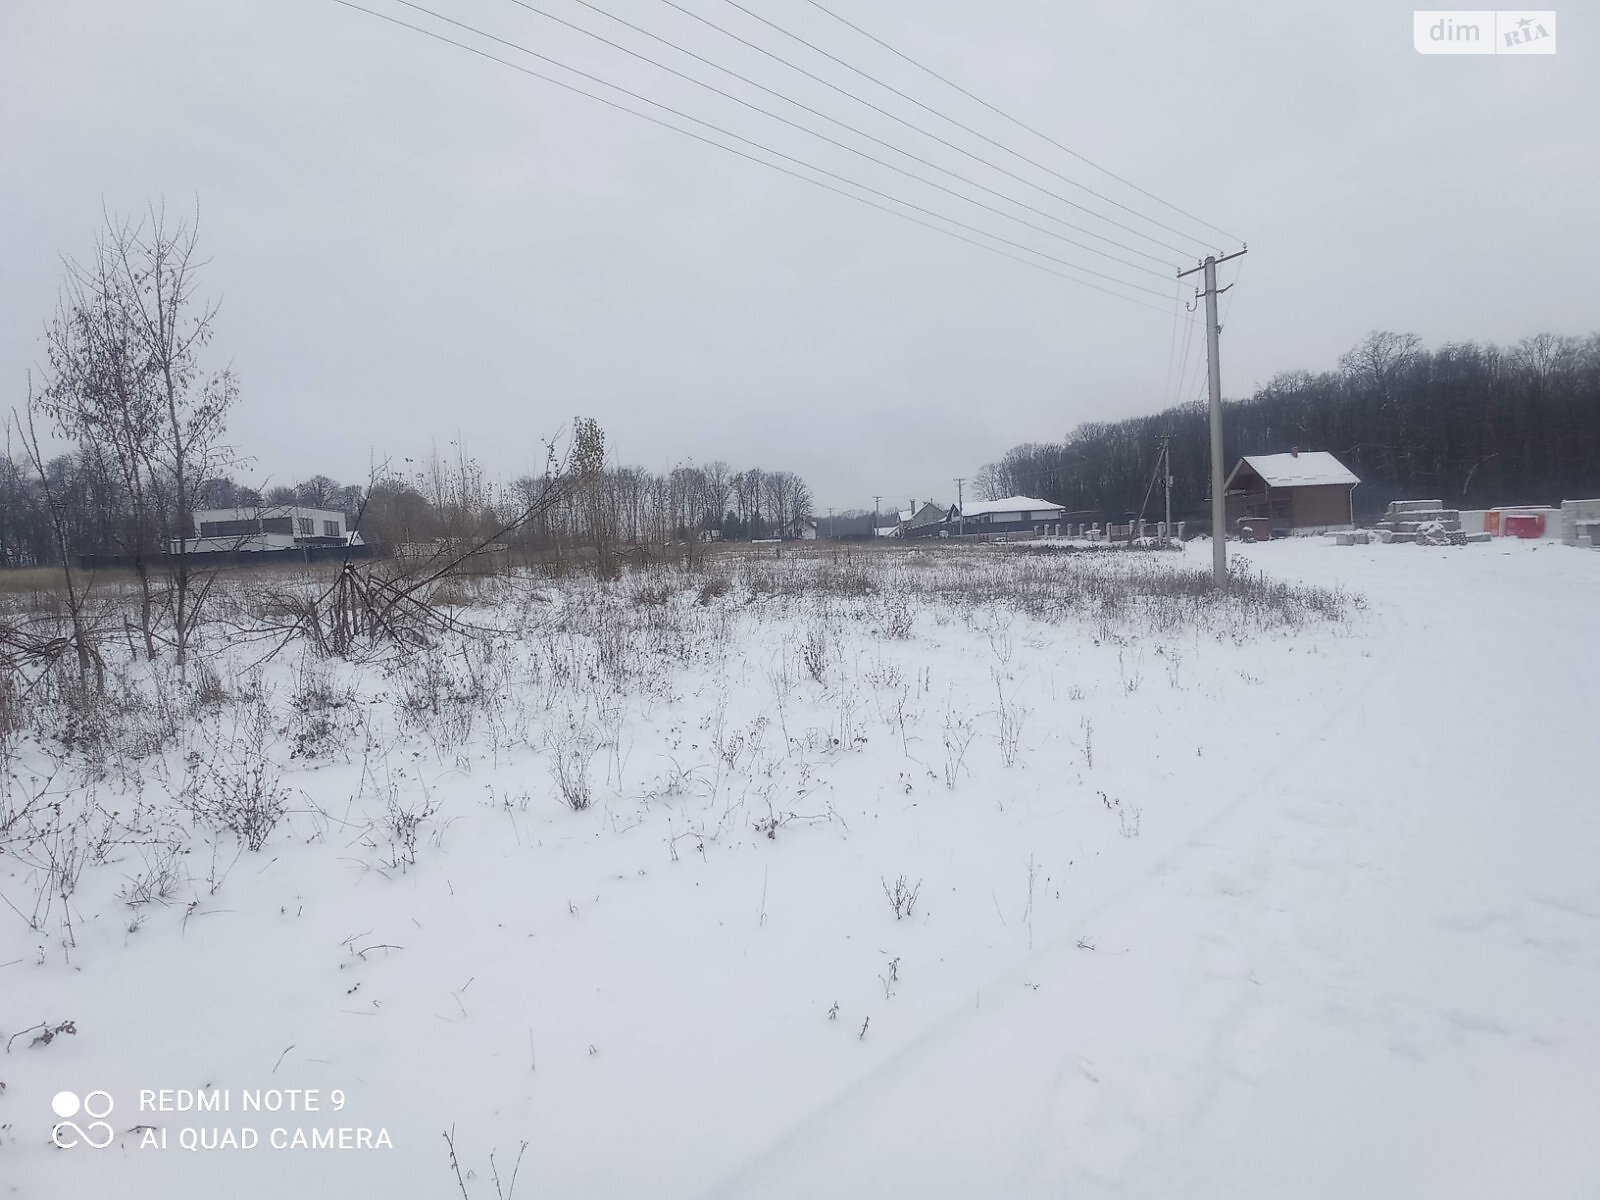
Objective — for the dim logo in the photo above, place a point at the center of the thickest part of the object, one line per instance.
(1483, 31)
(67, 1133)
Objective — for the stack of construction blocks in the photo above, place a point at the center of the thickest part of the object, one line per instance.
(1425, 522)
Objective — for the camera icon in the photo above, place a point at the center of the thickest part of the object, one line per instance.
(67, 1133)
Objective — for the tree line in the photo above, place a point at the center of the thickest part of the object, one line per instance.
(1474, 425)
(126, 388)
(75, 508)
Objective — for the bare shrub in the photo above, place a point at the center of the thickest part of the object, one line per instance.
(207, 692)
(1010, 717)
(163, 877)
(13, 712)
(712, 589)
(958, 735)
(240, 790)
(437, 698)
(902, 896)
(814, 652)
(506, 1190)
(650, 595)
(569, 763)
(323, 716)
(243, 797)
(899, 618)
(23, 811)
(403, 821)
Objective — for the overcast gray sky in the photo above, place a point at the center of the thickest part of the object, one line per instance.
(413, 244)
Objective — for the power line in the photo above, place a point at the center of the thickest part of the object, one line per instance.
(759, 49)
(961, 125)
(811, 166)
(645, 58)
(1176, 395)
(753, 158)
(1021, 124)
(1172, 341)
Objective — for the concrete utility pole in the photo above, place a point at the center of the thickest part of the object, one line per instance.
(876, 500)
(830, 524)
(1219, 507)
(961, 507)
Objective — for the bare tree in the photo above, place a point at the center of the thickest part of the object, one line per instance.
(57, 510)
(127, 383)
(719, 484)
(318, 492)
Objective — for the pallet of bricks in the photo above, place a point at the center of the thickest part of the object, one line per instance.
(1580, 523)
(1426, 523)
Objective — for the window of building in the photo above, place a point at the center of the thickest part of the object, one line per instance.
(330, 529)
(306, 525)
(276, 525)
(228, 529)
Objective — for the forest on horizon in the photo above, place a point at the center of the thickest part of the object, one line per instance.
(1472, 424)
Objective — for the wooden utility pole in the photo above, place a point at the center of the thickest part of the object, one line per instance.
(961, 507)
(1219, 508)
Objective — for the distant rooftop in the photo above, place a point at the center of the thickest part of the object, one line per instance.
(1308, 468)
(1009, 504)
(247, 511)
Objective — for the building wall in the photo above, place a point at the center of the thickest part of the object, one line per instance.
(1329, 505)
(1291, 507)
(1249, 499)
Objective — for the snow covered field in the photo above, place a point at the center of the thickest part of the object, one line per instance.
(926, 874)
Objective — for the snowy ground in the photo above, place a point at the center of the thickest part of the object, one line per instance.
(1232, 901)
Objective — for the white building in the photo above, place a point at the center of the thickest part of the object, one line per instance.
(1014, 514)
(270, 527)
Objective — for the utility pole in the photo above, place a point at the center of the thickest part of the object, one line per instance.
(1219, 508)
(876, 500)
(1165, 460)
(830, 524)
(1167, 455)
(961, 507)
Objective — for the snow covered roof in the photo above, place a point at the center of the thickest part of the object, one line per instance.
(265, 510)
(1308, 468)
(1008, 505)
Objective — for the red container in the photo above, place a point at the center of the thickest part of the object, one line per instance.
(1524, 525)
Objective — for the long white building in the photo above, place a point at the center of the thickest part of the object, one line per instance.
(268, 527)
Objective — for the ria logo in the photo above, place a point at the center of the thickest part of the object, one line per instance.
(1483, 31)
(68, 1133)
